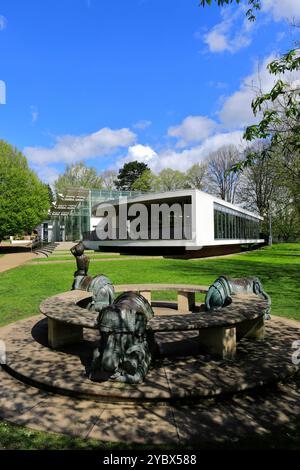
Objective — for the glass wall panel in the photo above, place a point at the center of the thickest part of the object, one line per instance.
(230, 224)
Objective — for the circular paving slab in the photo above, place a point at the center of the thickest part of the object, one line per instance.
(173, 377)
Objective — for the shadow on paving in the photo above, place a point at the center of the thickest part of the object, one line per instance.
(14, 249)
(264, 417)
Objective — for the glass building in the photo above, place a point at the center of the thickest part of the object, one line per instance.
(204, 222)
(230, 224)
(71, 215)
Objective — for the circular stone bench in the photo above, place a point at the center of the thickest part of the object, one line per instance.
(185, 292)
(218, 330)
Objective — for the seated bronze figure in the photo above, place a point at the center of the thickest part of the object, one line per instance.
(123, 354)
(220, 292)
(100, 286)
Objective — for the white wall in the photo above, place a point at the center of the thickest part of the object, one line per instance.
(202, 223)
(204, 218)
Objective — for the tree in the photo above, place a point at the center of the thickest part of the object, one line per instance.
(78, 175)
(259, 182)
(253, 5)
(280, 107)
(285, 219)
(280, 128)
(50, 195)
(221, 181)
(109, 177)
(170, 180)
(24, 199)
(146, 182)
(279, 125)
(129, 174)
(196, 175)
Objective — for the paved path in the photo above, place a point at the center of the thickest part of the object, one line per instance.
(64, 246)
(12, 260)
(229, 420)
(237, 419)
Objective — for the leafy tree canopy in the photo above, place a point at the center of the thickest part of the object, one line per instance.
(24, 199)
(280, 107)
(253, 5)
(129, 174)
(78, 175)
(109, 177)
(195, 176)
(145, 182)
(170, 180)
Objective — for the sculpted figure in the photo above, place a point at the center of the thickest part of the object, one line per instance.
(220, 292)
(82, 262)
(103, 292)
(123, 354)
(100, 286)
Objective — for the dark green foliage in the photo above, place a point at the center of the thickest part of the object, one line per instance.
(145, 182)
(24, 199)
(129, 174)
(253, 5)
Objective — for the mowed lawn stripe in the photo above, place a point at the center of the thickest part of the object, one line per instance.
(22, 289)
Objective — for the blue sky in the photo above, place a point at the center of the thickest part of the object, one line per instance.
(161, 81)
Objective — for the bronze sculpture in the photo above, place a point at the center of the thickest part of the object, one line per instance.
(124, 353)
(220, 292)
(100, 286)
(126, 348)
(82, 262)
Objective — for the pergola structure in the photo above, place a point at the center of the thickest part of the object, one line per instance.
(68, 201)
(71, 214)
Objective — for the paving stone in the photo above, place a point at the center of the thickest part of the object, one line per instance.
(257, 363)
(16, 397)
(216, 423)
(254, 412)
(149, 425)
(62, 415)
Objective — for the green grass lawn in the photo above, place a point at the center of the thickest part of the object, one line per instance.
(22, 289)
(14, 437)
(64, 257)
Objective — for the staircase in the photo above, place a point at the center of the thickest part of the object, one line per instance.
(43, 249)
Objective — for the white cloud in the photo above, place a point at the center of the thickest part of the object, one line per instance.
(141, 153)
(236, 111)
(2, 92)
(69, 148)
(187, 157)
(282, 9)
(234, 32)
(231, 34)
(34, 114)
(181, 160)
(192, 129)
(218, 85)
(142, 124)
(216, 40)
(46, 173)
(3, 22)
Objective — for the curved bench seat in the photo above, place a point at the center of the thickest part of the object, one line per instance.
(218, 330)
(185, 292)
(63, 308)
